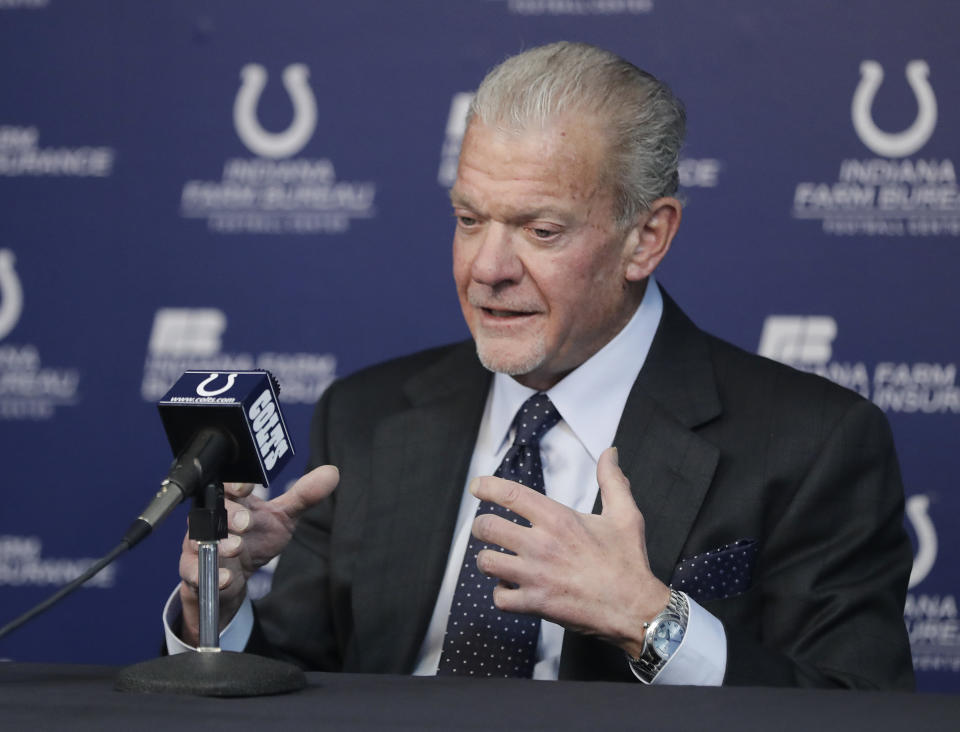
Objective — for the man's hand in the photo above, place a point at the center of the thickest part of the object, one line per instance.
(587, 572)
(259, 530)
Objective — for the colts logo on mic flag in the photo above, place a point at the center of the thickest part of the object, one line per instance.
(244, 405)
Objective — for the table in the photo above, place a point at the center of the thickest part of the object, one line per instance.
(80, 698)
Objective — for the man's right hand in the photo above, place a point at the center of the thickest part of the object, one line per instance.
(259, 531)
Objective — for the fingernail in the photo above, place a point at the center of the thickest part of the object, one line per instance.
(472, 487)
(231, 543)
(616, 456)
(223, 577)
(241, 520)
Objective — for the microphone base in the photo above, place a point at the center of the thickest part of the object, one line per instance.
(223, 674)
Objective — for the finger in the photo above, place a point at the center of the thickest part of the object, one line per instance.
(238, 490)
(518, 498)
(615, 494)
(308, 491)
(189, 545)
(190, 574)
(509, 598)
(189, 571)
(505, 567)
(239, 517)
(493, 529)
(231, 546)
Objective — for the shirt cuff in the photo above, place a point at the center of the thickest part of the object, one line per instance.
(701, 659)
(232, 638)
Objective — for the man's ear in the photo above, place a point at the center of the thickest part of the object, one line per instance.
(650, 240)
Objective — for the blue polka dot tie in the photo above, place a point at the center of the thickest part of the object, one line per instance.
(481, 640)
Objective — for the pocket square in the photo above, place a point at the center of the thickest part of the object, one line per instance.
(717, 574)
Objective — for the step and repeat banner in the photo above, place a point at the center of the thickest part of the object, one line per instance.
(236, 184)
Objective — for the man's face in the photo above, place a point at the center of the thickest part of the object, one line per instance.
(539, 262)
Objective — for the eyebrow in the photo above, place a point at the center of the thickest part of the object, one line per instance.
(458, 198)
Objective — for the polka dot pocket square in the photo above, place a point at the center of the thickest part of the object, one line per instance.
(717, 574)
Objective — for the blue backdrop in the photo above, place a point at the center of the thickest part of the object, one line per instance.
(213, 184)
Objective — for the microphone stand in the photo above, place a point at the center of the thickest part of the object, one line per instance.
(211, 671)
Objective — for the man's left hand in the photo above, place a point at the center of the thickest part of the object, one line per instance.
(586, 572)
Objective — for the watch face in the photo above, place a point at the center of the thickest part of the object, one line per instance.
(666, 638)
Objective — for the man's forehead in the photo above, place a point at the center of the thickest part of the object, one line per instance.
(535, 171)
(565, 132)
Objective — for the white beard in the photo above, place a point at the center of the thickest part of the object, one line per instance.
(495, 357)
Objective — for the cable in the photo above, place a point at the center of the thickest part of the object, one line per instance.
(168, 498)
(66, 589)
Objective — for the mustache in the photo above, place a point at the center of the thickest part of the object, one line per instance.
(494, 303)
(489, 299)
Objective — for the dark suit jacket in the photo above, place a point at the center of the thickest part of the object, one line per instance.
(719, 445)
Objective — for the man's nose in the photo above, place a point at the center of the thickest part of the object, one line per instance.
(496, 261)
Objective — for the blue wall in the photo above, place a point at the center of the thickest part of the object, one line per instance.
(155, 216)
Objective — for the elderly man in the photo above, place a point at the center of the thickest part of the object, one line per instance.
(592, 487)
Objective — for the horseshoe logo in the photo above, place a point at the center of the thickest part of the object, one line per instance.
(916, 510)
(275, 144)
(202, 390)
(900, 144)
(12, 304)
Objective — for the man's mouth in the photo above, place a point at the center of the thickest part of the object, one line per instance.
(497, 313)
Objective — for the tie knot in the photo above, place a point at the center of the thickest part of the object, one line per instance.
(535, 417)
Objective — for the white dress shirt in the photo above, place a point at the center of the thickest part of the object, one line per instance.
(569, 454)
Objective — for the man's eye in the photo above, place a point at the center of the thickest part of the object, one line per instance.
(543, 233)
(466, 220)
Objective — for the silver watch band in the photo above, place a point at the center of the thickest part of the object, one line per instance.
(649, 663)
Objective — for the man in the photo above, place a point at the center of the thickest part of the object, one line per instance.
(747, 528)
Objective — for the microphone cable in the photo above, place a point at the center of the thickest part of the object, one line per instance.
(92, 570)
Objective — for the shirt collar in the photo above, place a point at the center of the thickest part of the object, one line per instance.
(592, 413)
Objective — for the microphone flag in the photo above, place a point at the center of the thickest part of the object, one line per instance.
(240, 404)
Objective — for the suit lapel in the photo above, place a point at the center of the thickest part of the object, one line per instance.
(670, 467)
(420, 460)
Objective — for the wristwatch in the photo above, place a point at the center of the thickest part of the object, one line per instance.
(662, 637)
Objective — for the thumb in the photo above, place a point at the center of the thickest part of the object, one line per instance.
(309, 490)
(614, 486)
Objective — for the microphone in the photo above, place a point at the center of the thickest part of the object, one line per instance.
(222, 426)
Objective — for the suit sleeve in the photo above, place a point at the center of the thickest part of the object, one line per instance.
(832, 579)
(296, 620)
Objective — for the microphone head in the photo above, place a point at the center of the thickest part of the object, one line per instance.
(243, 405)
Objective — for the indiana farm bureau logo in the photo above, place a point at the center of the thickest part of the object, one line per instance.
(277, 191)
(898, 192)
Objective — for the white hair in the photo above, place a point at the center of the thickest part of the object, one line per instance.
(643, 120)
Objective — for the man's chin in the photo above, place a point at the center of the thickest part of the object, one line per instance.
(509, 362)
